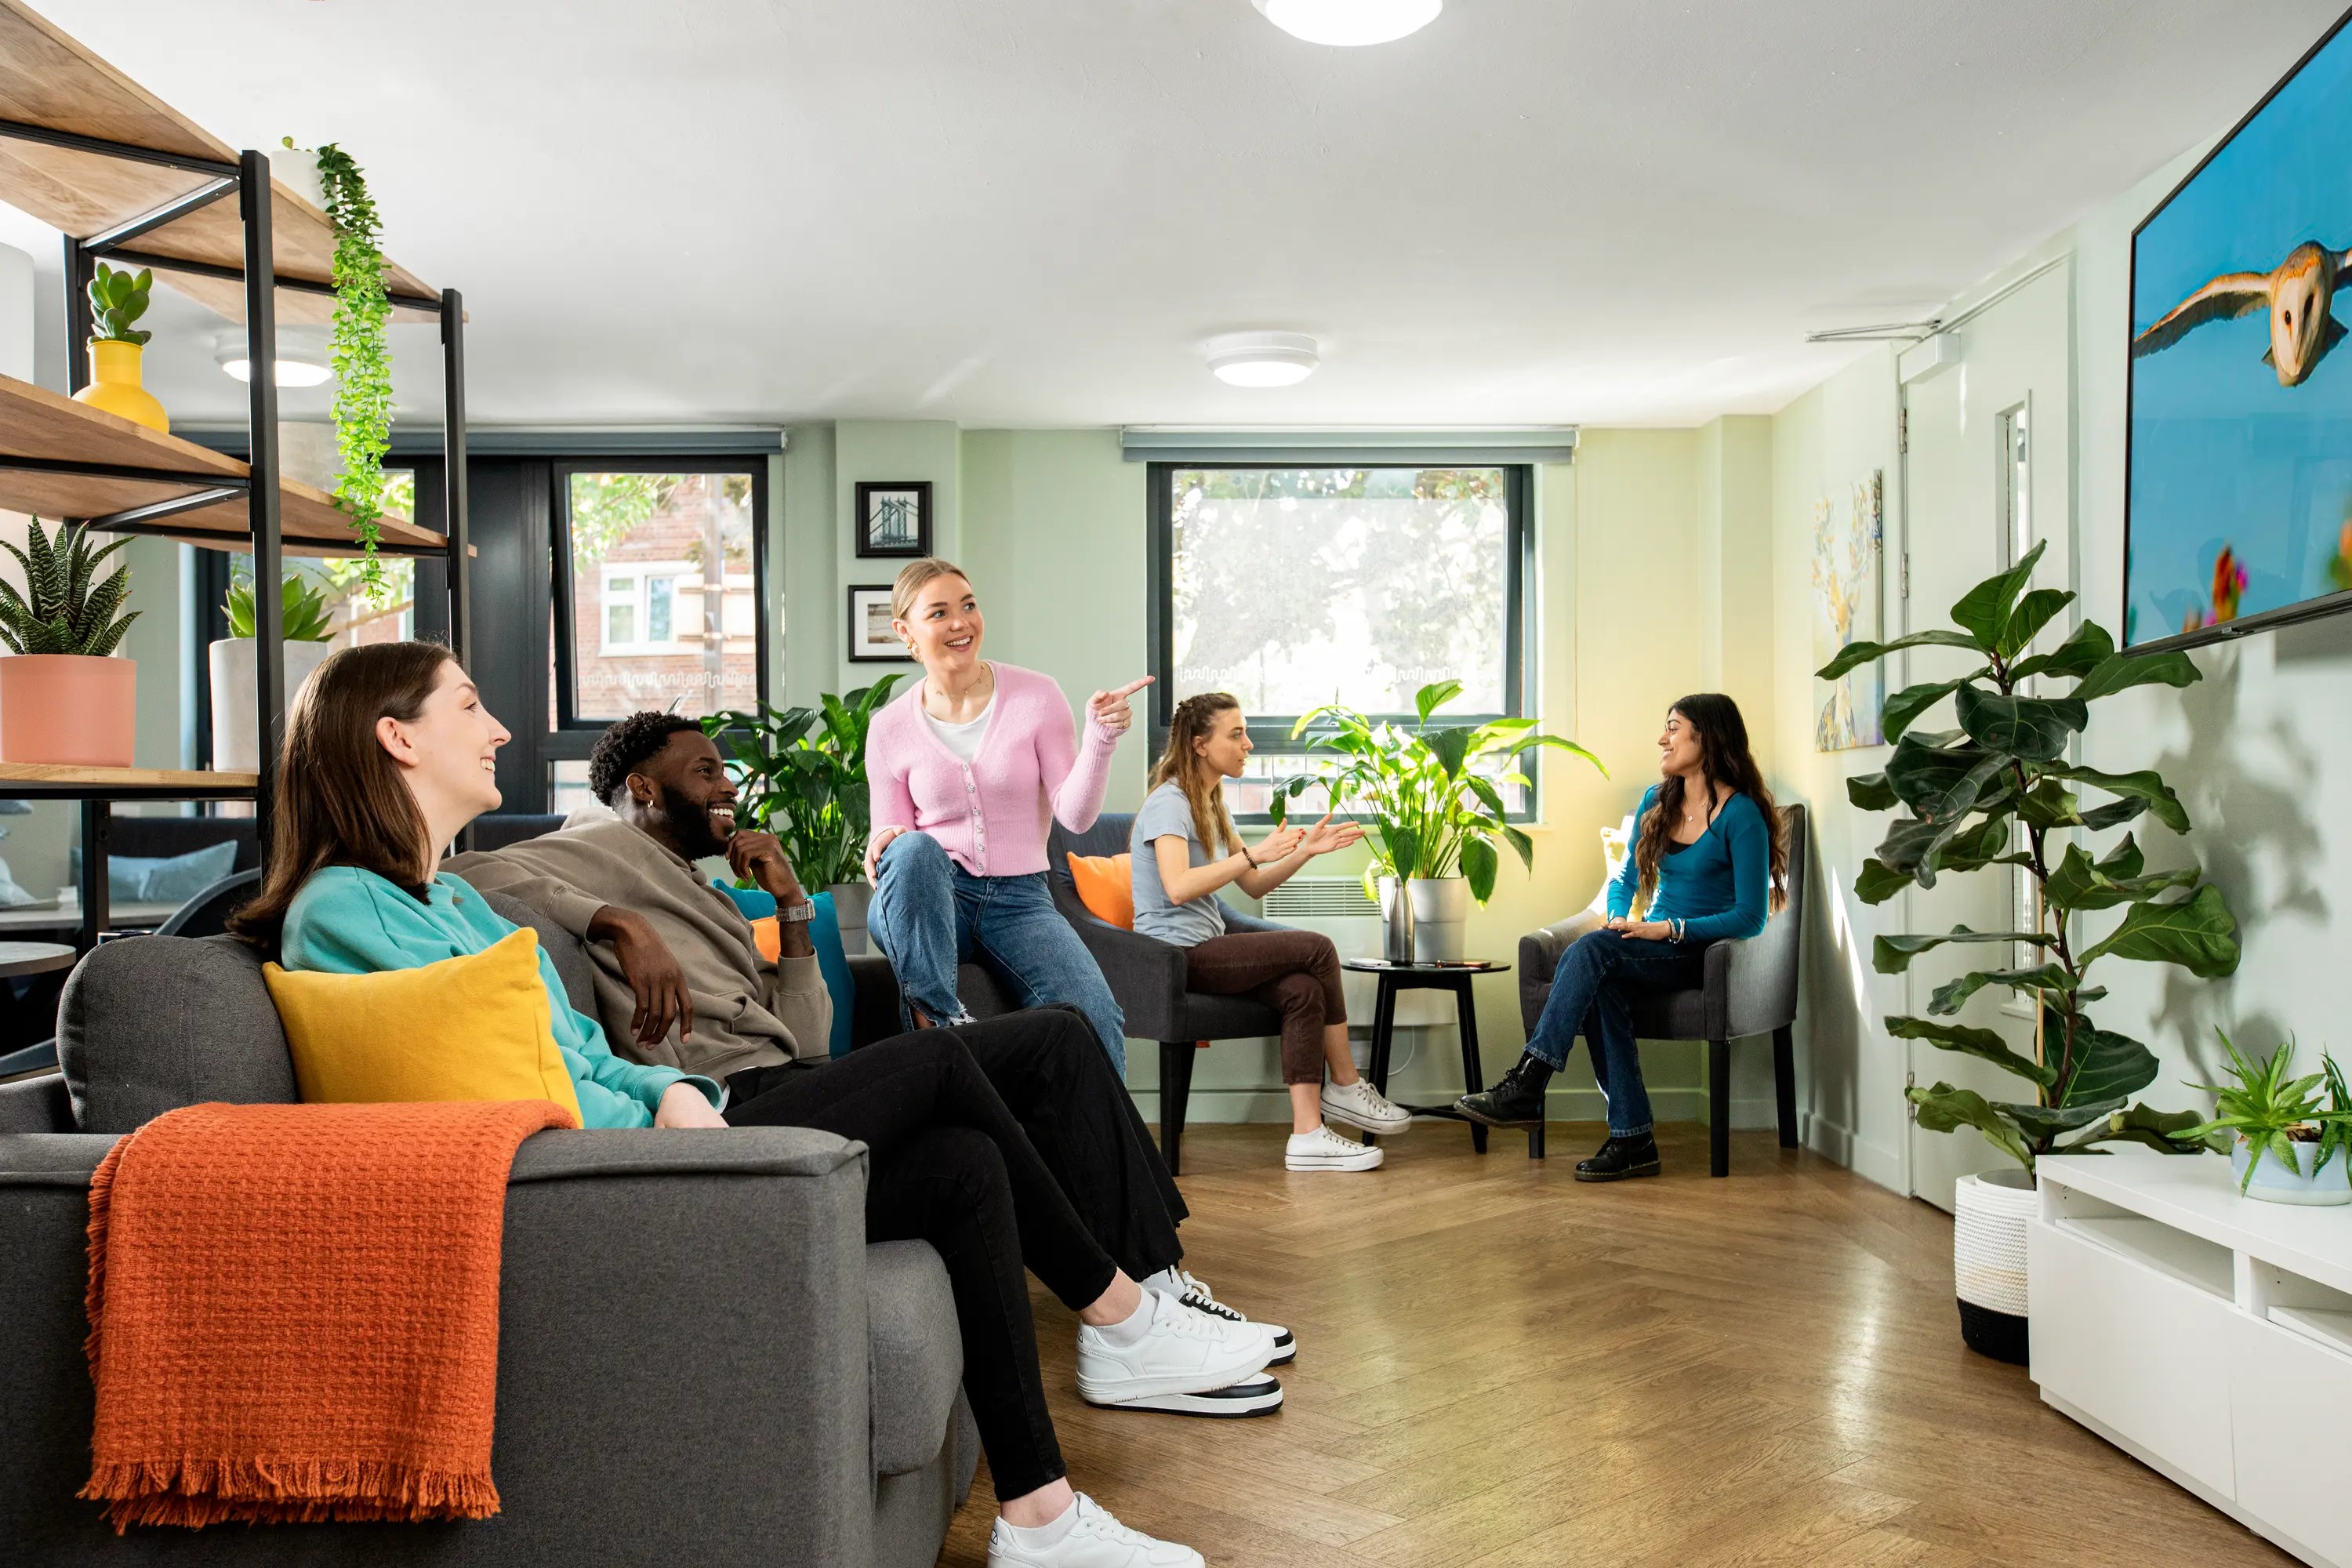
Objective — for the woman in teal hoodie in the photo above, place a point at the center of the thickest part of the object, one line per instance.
(389, 753)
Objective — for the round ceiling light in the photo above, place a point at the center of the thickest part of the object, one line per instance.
(300, 361)
(1349, 22)
(1263, 358)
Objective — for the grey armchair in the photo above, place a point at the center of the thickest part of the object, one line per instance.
(1147, 978)
(762, 1386)
(1749, 989)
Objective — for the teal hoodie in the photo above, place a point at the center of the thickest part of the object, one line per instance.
(345, 921)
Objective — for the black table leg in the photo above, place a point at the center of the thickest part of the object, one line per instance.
(1383, 1030)
(1473, 1073)
(97, 823)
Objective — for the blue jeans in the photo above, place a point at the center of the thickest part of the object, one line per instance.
(929, 915)
(1591, 991)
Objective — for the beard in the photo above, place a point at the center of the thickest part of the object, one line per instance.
(689, 826)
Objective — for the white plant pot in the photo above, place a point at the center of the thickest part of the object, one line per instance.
(849, 904)
(236, 700)
(2272, 1184)
(1990, 1215)
(296, 169)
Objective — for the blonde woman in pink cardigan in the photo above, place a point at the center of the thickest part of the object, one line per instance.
(966, 772)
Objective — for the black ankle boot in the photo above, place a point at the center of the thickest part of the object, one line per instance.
(1619, 1158)
(1516, 1100)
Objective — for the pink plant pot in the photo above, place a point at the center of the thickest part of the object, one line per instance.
(67, 710)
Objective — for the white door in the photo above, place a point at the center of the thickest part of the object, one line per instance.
(1988, 472)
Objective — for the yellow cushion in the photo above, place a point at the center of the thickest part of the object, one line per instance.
(1106, 886)
(476, 1027)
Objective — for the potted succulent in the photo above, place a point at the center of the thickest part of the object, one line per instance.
(801, 772)
(1998, 790)
(64, 698)
(117, 299)
(2283, 1149)
(236, 684)
(1434, 795)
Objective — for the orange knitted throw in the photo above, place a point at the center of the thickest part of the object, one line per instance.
(294, 1312)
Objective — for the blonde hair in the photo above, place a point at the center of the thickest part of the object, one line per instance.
(912, 579)
(1203, 790)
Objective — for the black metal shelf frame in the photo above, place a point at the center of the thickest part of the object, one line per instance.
(248, 177)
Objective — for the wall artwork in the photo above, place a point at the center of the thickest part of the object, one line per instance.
(894, 519)
(1847, 550)
(871, 640)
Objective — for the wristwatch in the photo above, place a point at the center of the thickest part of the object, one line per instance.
(797, 913)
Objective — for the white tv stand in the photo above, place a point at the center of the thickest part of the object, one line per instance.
(2207, 1335)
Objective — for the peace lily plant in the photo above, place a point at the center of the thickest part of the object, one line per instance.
(1433, 795)
(1967, 793)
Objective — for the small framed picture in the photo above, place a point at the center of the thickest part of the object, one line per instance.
(894, 520)
(871, 640)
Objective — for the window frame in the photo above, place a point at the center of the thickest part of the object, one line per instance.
(567, 719)
(1270, 733)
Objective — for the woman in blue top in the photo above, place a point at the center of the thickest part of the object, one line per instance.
(389, 753)
(1708, 855)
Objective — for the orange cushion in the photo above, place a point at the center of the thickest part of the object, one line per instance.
(770, 937)
(1106, 886)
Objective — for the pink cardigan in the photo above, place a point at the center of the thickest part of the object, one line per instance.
(991, 818)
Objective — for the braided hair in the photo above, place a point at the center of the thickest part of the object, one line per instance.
(1194, 720)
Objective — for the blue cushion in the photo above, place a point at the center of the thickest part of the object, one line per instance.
(832, 962)
(170, 879)
(756, 904)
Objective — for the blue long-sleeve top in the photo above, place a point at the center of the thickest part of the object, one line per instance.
(1718, 887)
(345, 921)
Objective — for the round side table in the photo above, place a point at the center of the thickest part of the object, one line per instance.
(1454, 977)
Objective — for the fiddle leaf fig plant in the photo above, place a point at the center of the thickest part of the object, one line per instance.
(117, 299)
(802, 775)
(1998, 790)
(1435, 809)
(358, 350)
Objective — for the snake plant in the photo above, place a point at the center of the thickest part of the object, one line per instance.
(64, 608)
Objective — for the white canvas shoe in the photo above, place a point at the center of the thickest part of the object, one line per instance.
(1194, 1291)
(1360, 1105)
(1259, 1395)
(1324, 1150)
(1095, 1540)
(1184, 1352)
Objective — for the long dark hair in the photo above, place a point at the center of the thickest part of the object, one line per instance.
(1723, 758)
(340, 800)
(1204, 790)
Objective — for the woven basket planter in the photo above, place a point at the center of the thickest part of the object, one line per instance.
(1989, 1214)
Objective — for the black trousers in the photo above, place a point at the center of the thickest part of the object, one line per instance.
(948, 1165)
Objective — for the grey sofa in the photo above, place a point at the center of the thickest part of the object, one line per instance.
(700, 1359)
(1749, 989)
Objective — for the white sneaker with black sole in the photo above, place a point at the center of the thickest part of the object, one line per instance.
(1182, 1353)
(1194, 1291)
(1324, 1150)
(1360, 1105)
(1095, 1540)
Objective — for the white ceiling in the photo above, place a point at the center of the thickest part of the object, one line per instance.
(1030, 212)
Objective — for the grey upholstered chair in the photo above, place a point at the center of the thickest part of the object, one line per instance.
(1750, 989)
(1147, 979)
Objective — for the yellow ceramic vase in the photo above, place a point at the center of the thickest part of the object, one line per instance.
(114, 384)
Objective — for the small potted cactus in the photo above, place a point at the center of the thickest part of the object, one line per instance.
(237, 683)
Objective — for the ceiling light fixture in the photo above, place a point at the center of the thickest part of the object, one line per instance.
(1262, 359)
(300, 361)
(1349, 22)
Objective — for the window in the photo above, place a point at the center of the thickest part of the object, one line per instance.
(1293, 587)
(657, 591)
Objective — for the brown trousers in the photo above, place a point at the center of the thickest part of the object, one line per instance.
(1295, 973)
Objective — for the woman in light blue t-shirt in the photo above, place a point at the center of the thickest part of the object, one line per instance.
(1228, 954)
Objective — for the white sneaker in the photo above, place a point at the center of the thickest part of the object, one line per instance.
(1194, 1291)
(1259, 1395)
(1324, 1150)
(1359, 1105)
(1183, 1351)
(1095, 1539)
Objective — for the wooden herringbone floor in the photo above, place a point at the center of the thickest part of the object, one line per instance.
(1500, 1366)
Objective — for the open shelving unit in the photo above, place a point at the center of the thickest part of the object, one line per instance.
(123, 177)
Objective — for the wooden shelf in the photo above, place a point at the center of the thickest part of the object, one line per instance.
(37, 423)
(96, 780)
(46, 79)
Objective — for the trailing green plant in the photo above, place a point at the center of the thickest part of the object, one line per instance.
(800, 773)
(1434, 794)
(65, 608)
(358, 350)
(2267, 1109)
(1969, 792)
(117, 299)
(305, 616)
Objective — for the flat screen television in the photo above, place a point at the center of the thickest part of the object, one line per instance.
(2238, 504)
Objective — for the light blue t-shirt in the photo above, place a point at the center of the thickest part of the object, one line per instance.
(1166, 812)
